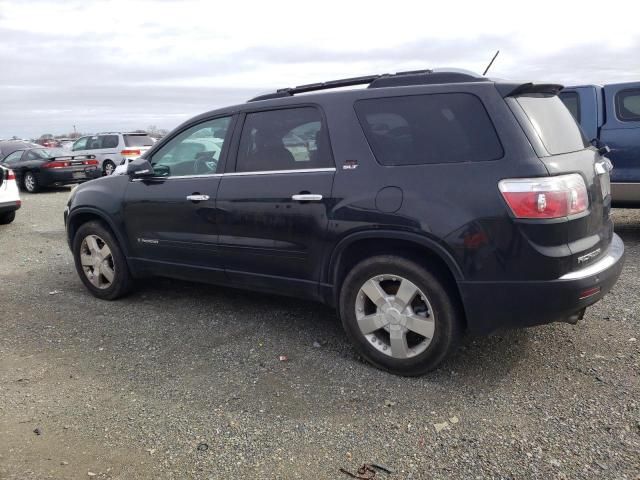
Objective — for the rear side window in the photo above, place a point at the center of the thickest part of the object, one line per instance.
(285, 139)
(109, 141)
(438, 128)
(138, 140)
(628, 105)
(553, 123)
(571, 100)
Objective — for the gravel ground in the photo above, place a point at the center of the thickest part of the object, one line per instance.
(181, 380)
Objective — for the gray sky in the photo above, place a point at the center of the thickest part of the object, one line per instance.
(119, 65)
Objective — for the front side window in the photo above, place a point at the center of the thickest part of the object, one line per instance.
(628, 105)
(286, 139)
(423, 129)
(81, 144)
(93, 143)
(196, 151)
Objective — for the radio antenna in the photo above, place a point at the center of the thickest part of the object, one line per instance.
(490, 63)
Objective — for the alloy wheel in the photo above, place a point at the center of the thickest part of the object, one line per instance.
(395, 316)
(29, 182)
(97, 261)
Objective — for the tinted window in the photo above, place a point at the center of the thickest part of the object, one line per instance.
(553, 123)
(628, 105)
(287, 139)
(93, 143)
(109, 141)
(196, 151)
(571, 100)
(439, 128)
(138, 140)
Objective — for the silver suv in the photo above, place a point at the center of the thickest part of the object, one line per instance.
(113, 148)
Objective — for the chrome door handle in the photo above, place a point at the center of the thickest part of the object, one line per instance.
(306, 197)
(197, 198)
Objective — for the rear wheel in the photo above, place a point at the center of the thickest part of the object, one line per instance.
(100, 262)
(30, 182)
(399, 315)
(7, 218)
(108, 167)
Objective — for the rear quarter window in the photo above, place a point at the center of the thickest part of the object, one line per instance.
(429, 129)
(628, 105)
(553, 123)
(571, 100)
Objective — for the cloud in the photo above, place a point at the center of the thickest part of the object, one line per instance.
(123, 65)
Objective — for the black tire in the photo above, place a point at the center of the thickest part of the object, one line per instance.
(122, 282)
(31, 186)
(7, 218)
(108, 165)
(447, 331)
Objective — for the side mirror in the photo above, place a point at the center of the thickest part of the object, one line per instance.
(603, 149)
(140, 168)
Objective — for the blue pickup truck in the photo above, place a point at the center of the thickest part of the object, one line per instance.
(610, 115)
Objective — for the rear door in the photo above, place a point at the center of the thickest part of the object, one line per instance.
(621, 132)
(273, 205)
(563, 149)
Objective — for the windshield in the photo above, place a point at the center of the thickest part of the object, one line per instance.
(553, 123)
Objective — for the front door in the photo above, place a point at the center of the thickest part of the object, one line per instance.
(171, 218)
(273, 207)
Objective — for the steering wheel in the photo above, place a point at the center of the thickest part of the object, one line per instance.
(204, 163)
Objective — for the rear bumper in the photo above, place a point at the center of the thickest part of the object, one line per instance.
(6, 207)
(491, 306)
(66, 177)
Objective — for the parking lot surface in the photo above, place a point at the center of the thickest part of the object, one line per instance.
(181, 380)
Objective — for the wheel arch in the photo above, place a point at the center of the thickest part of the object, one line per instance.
(424, 250)
(87, 214)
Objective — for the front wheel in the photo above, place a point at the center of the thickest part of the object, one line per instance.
(399, 315)
(100, 262)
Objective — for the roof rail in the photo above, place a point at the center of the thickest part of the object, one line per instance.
(413, 77)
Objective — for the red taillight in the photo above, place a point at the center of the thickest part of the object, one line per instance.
(131, 153)
(90, 162)
(11, 175)
(545, 197)
(56, 164)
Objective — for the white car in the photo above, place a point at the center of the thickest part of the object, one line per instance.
(9, 196)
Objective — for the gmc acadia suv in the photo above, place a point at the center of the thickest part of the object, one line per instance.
(429, 204)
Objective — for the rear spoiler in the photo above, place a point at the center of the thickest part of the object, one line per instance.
(71, 158)
(514, 89)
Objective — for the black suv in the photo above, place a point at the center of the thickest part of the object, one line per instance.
(429, 204)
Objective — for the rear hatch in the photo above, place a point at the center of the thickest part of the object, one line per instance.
(563, 149)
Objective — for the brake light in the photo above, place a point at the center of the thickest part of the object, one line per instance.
(90, 162)
(56, 164)
(11, 175)
(131, 153)
(545, 197)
